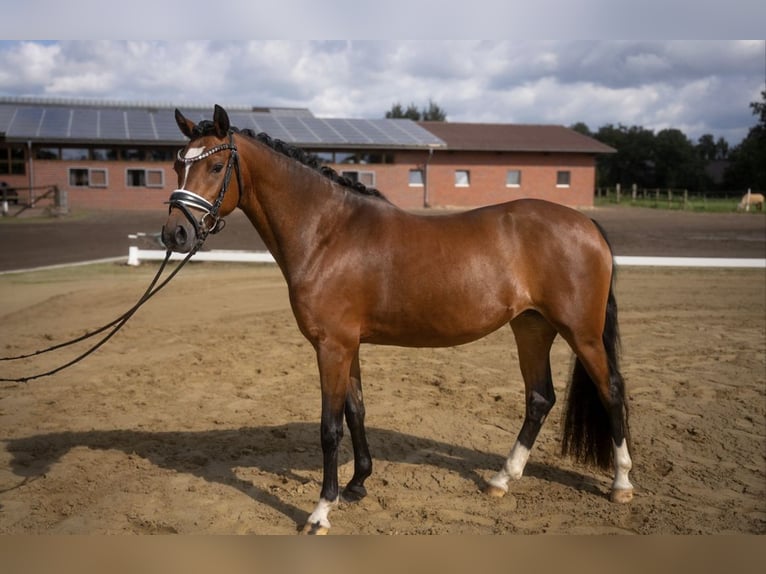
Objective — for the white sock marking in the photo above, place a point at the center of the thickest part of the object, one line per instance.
(321, 511)
(513, 467)
(622, 466)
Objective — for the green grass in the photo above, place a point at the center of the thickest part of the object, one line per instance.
(711, 205)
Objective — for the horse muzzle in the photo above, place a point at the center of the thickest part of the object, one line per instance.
(178, 234)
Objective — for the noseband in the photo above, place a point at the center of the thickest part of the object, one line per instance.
(185, 201)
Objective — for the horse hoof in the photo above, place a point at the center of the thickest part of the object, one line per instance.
(315, 529)
(621, 496)
(494, 491)
(353, 493)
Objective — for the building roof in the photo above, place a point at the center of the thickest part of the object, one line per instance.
(514, 138)
(91, 122)
(106, 122)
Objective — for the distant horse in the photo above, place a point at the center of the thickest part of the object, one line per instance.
(361, 270)
(754, 199)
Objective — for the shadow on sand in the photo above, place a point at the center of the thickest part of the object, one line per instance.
(215, 455)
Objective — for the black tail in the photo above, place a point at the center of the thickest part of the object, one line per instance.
(587, 429)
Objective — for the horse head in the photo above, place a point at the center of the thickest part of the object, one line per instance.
(206, 190)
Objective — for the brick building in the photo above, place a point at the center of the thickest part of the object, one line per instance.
(112, 155)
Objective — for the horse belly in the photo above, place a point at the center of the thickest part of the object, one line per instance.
(433, 315)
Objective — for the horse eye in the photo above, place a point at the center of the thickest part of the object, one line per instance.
(217, 168)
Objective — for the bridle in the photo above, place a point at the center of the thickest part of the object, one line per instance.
(185, 200)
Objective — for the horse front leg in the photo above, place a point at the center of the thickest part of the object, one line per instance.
(334, 366)
(355, 413)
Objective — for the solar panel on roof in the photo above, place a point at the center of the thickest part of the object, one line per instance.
(27, 121)
(127, 123)
(139, 125)
(377, 131)
(324, 131)
(165, 124)
(84, 124)
(273, 127)
(111, 124)
(299, 131)
(55, 123)
(415, 133)
(351, 130)
(6, 116)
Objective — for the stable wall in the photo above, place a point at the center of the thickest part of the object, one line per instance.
(488, 172)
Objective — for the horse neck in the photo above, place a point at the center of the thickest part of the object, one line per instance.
(292, 206)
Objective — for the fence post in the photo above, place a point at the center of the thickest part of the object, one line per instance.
(61, 200)
(634, 192)
(686, 198)
(670, 198)
(618, 193)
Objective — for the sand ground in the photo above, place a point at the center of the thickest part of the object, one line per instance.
(201, 416)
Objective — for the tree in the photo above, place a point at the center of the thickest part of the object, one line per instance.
(581, 128)
(677, 163)
(432, 113)
(747, 169)
(634, 160)
(707, 148)
(722, 149)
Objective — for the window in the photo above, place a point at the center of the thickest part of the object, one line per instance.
(83, 177)
(48, 153)
(416, 178)
(145, 178)
(103, 154)
(339, 156)
(366, 178)
(562, 178)
(12, 161)
(164, 154)
(74, 153)
(462, 178)
(513, 178)
(134, 154)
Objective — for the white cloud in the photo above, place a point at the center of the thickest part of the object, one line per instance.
(695, 86)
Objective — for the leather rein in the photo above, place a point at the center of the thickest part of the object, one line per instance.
(185, 201)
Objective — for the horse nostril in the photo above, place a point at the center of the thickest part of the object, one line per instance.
(180, 236)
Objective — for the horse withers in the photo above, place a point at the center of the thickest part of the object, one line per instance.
(360, 270)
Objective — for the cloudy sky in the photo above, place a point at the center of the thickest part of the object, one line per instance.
(696, 86)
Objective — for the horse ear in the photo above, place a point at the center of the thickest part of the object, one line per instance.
(186, 126)
(221, 121)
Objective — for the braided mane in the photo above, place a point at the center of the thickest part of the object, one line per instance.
(207, 127)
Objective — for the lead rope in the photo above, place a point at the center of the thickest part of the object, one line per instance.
(202, 232)
(116, 325)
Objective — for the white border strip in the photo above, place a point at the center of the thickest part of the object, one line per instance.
(64, 265)
(136, 255)
(623, 261)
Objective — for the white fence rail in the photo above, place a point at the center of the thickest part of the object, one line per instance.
(136, 255)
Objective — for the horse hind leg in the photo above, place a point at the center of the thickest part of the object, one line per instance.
(596, 420)
(534, 337)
